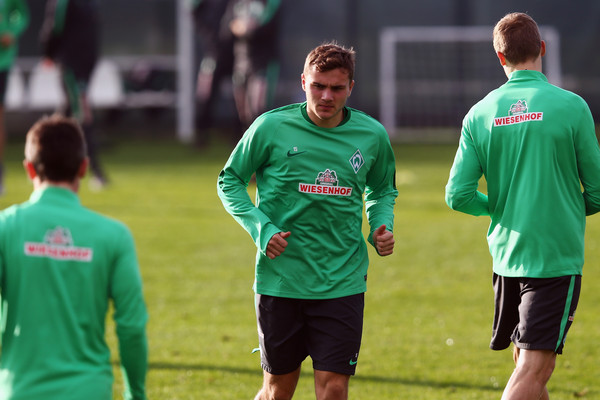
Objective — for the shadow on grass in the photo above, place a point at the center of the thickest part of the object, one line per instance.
(362, 377)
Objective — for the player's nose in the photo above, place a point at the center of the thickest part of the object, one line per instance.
(327, 94)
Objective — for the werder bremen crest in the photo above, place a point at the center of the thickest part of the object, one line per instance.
(356, 161)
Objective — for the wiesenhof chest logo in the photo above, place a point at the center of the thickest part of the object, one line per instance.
(518, 113)
(58, 245)
(325, 184)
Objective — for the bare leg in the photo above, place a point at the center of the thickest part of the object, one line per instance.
(87, 124)
(257, 97)
(278, 387)
(240, 95)
(331, 385)
(532, 373)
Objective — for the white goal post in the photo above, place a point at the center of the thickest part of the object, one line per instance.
(186, 79)
(391, 86)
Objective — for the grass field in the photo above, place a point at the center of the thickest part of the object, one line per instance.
(428, 307)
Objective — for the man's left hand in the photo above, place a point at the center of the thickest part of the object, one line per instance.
(384, 241)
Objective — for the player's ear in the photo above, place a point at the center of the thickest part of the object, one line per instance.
(29, 169)
(303, 81)
(543, 49)
(83, 168)
(501, 58)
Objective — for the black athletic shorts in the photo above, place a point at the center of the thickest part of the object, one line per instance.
(329, 331)
(534, 313)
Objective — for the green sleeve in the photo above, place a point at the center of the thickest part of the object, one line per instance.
(249, 156)
(461, 190)
(130, 317)
(271, 9)
(380, 190)
(588, 161)
(18, 19)
(60, 15)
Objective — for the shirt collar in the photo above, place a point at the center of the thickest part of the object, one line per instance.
(527, 74)
(346, 112)
(54, 193)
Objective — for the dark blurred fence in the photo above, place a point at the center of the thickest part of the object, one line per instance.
(134, 29)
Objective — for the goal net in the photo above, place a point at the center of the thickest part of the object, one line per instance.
(431, 76)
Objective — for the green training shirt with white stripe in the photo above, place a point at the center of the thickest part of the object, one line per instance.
(536, 146)
(60, 265)
(310, 182)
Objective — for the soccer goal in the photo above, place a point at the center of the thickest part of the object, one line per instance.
(431, 76)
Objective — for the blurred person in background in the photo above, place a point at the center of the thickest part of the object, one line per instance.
(536, 146)
(14, 19)
(61, 265)
(70, 37)
(318, 164)
(255, 27)
(216, 46)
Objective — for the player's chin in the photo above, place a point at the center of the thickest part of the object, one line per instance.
(326, 114)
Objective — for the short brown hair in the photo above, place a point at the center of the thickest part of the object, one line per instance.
(517, 36)
(55, 145)
(330, 56)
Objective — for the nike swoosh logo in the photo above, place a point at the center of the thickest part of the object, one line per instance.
(290, 154)
(353, 362)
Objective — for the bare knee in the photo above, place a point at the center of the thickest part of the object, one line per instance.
(272, 392)
(539, 363)
(544, 372)
(278, 387)
(331, 386)
(335, 390)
